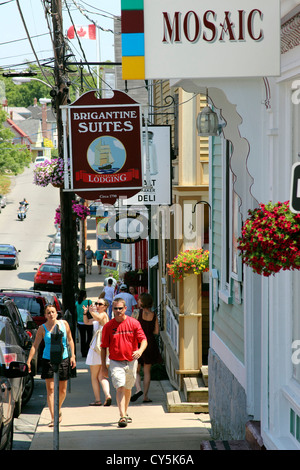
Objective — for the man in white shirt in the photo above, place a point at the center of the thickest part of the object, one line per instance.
(109, 295)
(129, 299)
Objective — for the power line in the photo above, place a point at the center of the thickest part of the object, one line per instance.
(79, 42)
(22, 39)
(83, 10)
(29, 39)
(112, 16)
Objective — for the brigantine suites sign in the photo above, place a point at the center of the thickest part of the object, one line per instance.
(200, 39)
(105, 147)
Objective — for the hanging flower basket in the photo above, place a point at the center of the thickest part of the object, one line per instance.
(270, 239)
(49, 173)
(79, 211)
(188, 262)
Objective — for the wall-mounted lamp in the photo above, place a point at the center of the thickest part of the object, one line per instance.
(207, 122)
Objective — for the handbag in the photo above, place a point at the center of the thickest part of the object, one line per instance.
(95, 344)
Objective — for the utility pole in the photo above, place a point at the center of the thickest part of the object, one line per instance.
(69, 251)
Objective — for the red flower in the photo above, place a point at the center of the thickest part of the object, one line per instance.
(270, 239)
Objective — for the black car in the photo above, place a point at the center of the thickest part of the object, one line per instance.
(13, 372)
(9, 309)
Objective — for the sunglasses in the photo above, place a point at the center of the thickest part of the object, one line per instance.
(99, 303)
(118, 308)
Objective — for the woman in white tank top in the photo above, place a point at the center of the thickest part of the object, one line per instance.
(97, 316)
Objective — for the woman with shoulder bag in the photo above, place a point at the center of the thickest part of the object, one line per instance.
(97, 317)
(85, 331)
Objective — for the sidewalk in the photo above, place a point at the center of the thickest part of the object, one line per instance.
(85, 427)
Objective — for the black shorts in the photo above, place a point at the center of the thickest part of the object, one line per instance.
(99, 262)
(63, 369)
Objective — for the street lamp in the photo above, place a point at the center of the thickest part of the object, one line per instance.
(20, 80)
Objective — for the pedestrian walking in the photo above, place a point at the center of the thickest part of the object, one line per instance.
(151, 355)
(98, 319)
(89, 257)
(129, 299)
(126, 341)
(85, 331)
(109, 291)
(99, 255)
(44, 333)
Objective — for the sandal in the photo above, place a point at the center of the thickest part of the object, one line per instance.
(136, 396)
(107, 401)
(147, 401)
(129, 420)
(96, 403)
(122, 423)
(51, 424)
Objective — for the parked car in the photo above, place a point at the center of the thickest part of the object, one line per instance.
(48, 276)
(2, 201)
(25, 339)
(13, 371)
(54, 258)
(54, 300)
(54, 242)
(9, 256)
(30, 300)
(29, 324)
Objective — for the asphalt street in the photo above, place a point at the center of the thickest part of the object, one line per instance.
(31, 236)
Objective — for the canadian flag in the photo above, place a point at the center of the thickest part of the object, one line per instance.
(83, 32)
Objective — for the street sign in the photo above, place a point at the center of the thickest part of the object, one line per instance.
(295, 189)
(105, 147)
(110, 264)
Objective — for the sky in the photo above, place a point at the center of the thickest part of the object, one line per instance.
(15, 48)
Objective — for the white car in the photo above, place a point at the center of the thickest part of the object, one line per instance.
(55, 240)
(56, 249)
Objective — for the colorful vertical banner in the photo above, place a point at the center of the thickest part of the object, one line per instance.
(133, 49)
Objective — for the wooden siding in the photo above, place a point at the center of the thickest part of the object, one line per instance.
(228, 319)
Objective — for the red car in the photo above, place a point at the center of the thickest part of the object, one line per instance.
(48, 277)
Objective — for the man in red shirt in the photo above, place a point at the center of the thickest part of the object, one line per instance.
(122, 335)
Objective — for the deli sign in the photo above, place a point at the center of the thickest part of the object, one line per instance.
(105, 147)
(211, 38)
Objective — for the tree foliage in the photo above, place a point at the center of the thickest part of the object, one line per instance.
(13, 158)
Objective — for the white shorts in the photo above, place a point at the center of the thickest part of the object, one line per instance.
(123, 373)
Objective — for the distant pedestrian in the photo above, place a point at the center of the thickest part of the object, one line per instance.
(123, 336)
(89, 257)
(98, 319)
(44, 333)
(109, 295)
(85, 331)
(99, 255)
(129, 299)
(114, 282)
(132, 291)
(151, 355)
